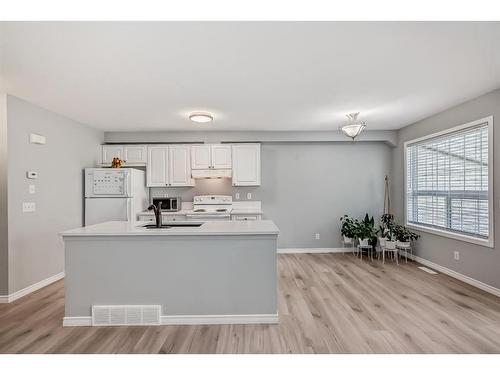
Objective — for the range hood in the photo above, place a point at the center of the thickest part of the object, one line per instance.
(211, 173)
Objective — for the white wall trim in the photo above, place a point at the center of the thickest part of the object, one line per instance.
(458, 276)
(74, 321)
(219, 319)
(30, 289)
(77, 321)
(315, 250)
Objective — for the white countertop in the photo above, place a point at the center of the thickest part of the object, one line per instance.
(151, 213)
(223, 227)
(246, 211)
(234, 211)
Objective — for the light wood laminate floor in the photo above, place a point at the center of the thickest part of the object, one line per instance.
(328, 303)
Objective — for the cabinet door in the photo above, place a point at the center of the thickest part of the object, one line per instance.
(179, 171)
(157, 166)
(245, 217)
(111, 151)
(246, 165)
(135, 154)
(200, 157)
(221, 156)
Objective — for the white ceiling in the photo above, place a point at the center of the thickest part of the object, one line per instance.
(251, 75)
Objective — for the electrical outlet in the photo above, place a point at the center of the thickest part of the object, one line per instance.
(32, 189)
(29, 207)
(249, 196)
(456, 255)
(237, 195)
(317, 236)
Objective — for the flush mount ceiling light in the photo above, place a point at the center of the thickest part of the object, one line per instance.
(354, 127)
(201, 117)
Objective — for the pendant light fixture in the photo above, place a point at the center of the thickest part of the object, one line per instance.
(354, 127)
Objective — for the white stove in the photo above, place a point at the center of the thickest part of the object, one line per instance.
(211, 207)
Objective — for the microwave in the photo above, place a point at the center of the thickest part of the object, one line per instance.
(169, 204)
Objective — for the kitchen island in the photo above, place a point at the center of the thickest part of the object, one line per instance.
(221, 272)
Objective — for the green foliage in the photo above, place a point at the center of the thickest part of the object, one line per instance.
(403, 234)
(365, 229)
(348, 226)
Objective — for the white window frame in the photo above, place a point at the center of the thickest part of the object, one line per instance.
(489, 242)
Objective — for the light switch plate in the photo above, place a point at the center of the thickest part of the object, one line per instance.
(29, 207)
(32, 189)
(237, 195)
(38, 139)
(249, 195)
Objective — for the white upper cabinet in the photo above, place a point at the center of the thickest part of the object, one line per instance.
(169, 166)
(157, 168)
(130, 154)
(246, 164)
(108, 152)
(135, 154)
(201, 157)
(221, 156)
(216, 156)
(180, 168)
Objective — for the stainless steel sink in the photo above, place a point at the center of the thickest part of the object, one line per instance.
(173, 225)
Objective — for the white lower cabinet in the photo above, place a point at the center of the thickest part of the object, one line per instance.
(169, 166)
(246, 217)
(165, 218)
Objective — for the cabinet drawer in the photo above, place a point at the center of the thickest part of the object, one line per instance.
(146, 218)
(246, 217)
(174, 218)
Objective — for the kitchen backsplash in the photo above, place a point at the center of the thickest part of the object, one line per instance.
(207, 187)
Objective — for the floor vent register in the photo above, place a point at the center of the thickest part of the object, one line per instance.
(126, 315)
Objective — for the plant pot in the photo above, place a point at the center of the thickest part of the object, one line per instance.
(382, 241)
(347, 240)
(403, 244)
(390, 245)
(363, 242)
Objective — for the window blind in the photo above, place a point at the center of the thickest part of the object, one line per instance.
(447, 182)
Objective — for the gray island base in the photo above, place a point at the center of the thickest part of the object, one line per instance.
(223, 272)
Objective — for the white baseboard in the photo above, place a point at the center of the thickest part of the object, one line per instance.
(219, 319)
(458, 276)
(75, 321)
(30, 289)
(315, 250)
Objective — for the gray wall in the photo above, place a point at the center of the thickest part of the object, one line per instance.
(4, 247)
(35, 249)
(478, 262)
(306, 187)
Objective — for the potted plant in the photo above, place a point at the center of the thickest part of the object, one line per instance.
(365, 232)
(348, 228)
(404, 236)
(370, 223)
(389, 237)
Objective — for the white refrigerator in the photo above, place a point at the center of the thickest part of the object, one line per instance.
(114, 194)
